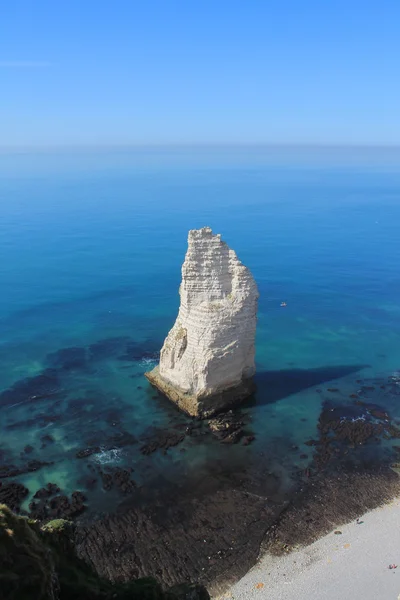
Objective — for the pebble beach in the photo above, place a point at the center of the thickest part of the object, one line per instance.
(358, 560)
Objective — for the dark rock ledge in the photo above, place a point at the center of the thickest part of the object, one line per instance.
(40, 562)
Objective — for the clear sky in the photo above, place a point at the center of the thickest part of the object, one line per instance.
(186, 71)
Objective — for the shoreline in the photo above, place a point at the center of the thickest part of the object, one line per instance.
(351, 564)
(196, 507)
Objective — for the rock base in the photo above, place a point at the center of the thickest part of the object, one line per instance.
(202, 406)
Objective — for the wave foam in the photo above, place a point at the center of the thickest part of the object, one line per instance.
(105, 457)
(148, 362)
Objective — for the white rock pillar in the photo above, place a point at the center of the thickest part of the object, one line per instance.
(207, 360)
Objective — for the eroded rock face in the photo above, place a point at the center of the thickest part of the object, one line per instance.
(207, 360)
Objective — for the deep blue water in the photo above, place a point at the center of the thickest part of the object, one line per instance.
(91, 246)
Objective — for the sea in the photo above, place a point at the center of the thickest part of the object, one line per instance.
(91, 246)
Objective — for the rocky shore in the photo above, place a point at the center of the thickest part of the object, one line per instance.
(41, 562)
(189, 500)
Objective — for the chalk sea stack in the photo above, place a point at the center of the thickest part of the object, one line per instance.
(207, 360)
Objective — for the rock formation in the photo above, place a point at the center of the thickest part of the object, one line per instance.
(41, 562)
(207, 360)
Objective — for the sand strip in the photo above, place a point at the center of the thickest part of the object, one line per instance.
(347, 566)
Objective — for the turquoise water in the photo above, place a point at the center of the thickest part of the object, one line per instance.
(91, 246)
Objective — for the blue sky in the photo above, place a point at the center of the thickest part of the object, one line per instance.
(103, 72)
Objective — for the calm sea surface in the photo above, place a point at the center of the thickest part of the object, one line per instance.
(91, 246)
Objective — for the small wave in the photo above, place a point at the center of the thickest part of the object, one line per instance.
(353, 419)
(148, 362)
(395, 378)
(105, 457)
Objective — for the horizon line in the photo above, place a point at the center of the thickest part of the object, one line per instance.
(22, 148)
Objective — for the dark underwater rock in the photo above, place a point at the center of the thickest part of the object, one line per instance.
(113, 418)
(162, 440)
(120, 439)
(84, 453)
(46, 418)
(379, 414)
(122, 480)
(107, 481)
(345, 427)
(140, 351)
(43, 386)
(35, 465)
(227, 427)
(392, 431)
(79, 405)
(46, 440)
(24, 424)
(248, 440)
(40, 420)
(57, 507)
(9, 471)
(30, 467)
(110, 477)
(108, 347)
(68, 359)
(13, 494)
(233, 437)
(348, 424)
(355, 432)
(88, 483)
(118, 478)
(50, 490)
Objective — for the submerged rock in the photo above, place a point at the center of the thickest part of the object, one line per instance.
(46, 440)
(56, 507)
(105, 348)
(30, 467)
(50, 490)
(207, 360)
(68, 359)
(84, 453)
(227, 428)
(162, 439)
(120, 478)
(40, 387)
(13, 494)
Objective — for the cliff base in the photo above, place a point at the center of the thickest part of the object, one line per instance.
(206, 406)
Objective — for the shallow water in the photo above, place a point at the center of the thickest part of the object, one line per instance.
(90, 253)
